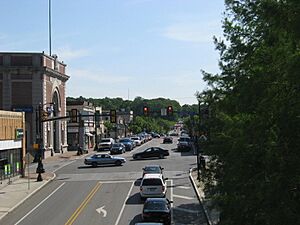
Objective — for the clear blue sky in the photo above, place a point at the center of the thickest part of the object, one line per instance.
(147, 48)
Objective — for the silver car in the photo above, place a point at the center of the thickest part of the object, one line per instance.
(104, 159)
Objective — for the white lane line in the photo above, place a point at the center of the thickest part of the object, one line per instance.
(172, 194)
(184, 197)
(40, 204)
(172, 204)
(124, 203)
(183, 187)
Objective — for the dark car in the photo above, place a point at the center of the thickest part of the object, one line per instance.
(157, 210)
(104, 159)
(184, 143)
(127, 142)
(168, 139)
(151, 152)
(152, 169)
(117, 148)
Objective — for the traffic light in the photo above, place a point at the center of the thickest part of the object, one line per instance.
(169, 110)
(146, 111)
(113, 116)
(44, 115)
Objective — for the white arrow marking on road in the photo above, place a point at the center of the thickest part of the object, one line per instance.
(102, 210)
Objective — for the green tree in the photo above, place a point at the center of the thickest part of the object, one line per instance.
(255, 122)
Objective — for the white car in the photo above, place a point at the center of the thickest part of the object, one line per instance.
(137, 140)
(153, 185)
(105, 144)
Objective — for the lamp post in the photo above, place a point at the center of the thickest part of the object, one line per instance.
(42, 115)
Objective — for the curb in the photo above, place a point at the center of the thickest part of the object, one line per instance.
(200, 198)
(28, 196)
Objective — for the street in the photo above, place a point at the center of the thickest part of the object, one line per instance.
(82, 194)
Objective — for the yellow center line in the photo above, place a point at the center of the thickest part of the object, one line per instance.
(83, 204)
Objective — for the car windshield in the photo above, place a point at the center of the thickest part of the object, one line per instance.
(116, 145)
(155, 205)
(124, 140)
(105, 140)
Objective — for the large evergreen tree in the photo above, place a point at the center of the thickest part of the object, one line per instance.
(255, 119)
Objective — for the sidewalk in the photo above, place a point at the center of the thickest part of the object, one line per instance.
(211, 213)
(20, 188)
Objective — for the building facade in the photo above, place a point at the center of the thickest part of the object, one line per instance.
(81, 125)
(33, 81)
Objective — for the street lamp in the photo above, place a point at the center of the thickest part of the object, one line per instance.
(41, 117)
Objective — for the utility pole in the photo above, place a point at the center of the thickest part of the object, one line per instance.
(50, 28)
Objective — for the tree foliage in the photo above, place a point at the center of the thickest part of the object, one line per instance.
(255, 119)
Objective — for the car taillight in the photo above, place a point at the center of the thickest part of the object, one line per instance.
(163, 188)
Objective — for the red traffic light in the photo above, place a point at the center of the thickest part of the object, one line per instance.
(169, 110)
(146, 110)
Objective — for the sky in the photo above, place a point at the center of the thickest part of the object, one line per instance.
(121, 48)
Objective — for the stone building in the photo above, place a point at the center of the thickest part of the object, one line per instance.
(33, 81)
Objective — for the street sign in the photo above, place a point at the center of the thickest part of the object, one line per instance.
(163, 112)
(19, 133)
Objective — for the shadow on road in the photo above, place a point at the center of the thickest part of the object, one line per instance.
(148, 159)
(136, 219)
(89, 167)
(189, 212)
(134, 199)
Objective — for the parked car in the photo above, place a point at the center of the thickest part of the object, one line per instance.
(168, 139)
(153, 185)
(137, 140)
(184, 143)
(127, 142)
(155, 135)
(151, 152)
(117, 148)
(152, 169)
(105, 144)
(157, 209)
(104, 159)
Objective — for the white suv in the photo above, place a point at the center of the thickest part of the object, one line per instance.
(105, 144)
(153, 185)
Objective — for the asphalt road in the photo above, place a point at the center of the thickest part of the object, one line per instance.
(110, 194)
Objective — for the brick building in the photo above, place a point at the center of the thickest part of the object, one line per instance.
(29, 81)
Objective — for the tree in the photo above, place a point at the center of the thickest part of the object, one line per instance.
(254, 128)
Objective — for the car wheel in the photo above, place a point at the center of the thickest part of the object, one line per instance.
(161, 156)
(94, 164)
(139, 157)
(118, 163)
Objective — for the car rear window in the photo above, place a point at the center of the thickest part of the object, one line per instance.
(152, 182)
(152, 169)
(155, 205)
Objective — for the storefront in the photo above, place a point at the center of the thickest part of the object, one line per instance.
(12, 148)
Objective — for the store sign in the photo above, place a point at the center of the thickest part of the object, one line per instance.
(19, 133)
(27, 109)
